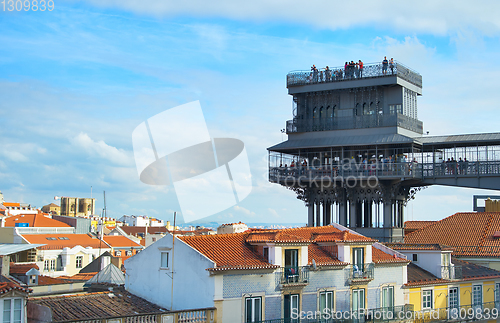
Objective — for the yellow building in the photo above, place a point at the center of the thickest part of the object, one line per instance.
(74, 206)
(52, 208)
(444, 288)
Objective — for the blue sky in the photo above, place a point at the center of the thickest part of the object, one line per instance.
(76, 81)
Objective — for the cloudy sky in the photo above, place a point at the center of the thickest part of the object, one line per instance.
(77, 80)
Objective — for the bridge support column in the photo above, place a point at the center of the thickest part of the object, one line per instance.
(387, 214)
(318, 214)
(328, 213)
(310, 215)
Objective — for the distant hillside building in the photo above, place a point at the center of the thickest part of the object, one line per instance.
(232, 228)
(52, 208)
(141, 221)
(74, 206)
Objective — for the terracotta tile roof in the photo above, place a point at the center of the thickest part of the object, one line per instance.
(34, 220)
(22, 268)
(228, 251)
(324, 256)
(11, 204)
(473, 272)
(133, 230)
(79, 276)
(8, 286)
(60, 241)
(415, 225)
(93, 306)
(418, 246)
(121, 242)
(418, 276)
(46, 280)
(380, 257)
(234, 251)
(469, 233)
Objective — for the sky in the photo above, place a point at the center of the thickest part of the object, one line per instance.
(76, 81)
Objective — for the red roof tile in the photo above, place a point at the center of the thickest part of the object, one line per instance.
(469, 233)
(34, 220)
(22, 268)
(415, 225)
(120, 242)
(234, 251)
(60, 241)
(7, 287)
(380, 257)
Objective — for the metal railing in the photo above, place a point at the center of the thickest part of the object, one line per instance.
(382, 314)
(464, 313)
(451, 272)
(356, 122)
(294, 275)
(363, 272)
(457, 168)
(484, 250)
(339, 74)
(292, 176)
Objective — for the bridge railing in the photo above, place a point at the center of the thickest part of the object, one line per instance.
(359, 171)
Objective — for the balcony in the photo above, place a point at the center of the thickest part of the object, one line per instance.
(354, 122)
(384, 314)
(294, 276)
(340, 74)
(359, 274)
(451, 272)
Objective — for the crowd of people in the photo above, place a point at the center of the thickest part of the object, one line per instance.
(351, 70)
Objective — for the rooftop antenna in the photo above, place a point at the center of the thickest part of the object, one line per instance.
(173, 241)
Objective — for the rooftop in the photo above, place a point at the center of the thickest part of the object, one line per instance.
(235, 251)
(121, 242)
(6, 287)
(60, 241)
(34, 220)
(469, 233)
(94, 306)
(22, 268)
(418, 276)
(418, 246)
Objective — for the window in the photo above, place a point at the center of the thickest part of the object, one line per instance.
(51, 238)
(445, 259)
(358, 299)
(477, 295)
(326, 304)
(63, 238)
(128, 253)
(52, 264)
(358, 259)
(453, 297)
(415, 257)
(164, 259)
(426, 299)
(291, 307)
(118, 253)
(46, 265)
(265, 253)
(253, 309)
(12, 310)
(388, 297)
(79, 261)
(497, 294)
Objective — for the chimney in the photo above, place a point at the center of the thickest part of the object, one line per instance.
(5, 265)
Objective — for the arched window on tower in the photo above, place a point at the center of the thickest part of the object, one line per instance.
(322, 113)
(315, 113)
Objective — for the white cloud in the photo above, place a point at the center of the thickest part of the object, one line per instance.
(101, 149)
(429, 16)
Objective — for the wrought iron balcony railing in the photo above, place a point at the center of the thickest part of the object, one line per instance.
(356, 122)
(485, 312)
(340, 74)
(359, 273)
(383, 314)
(294, 275)
(451, 272)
